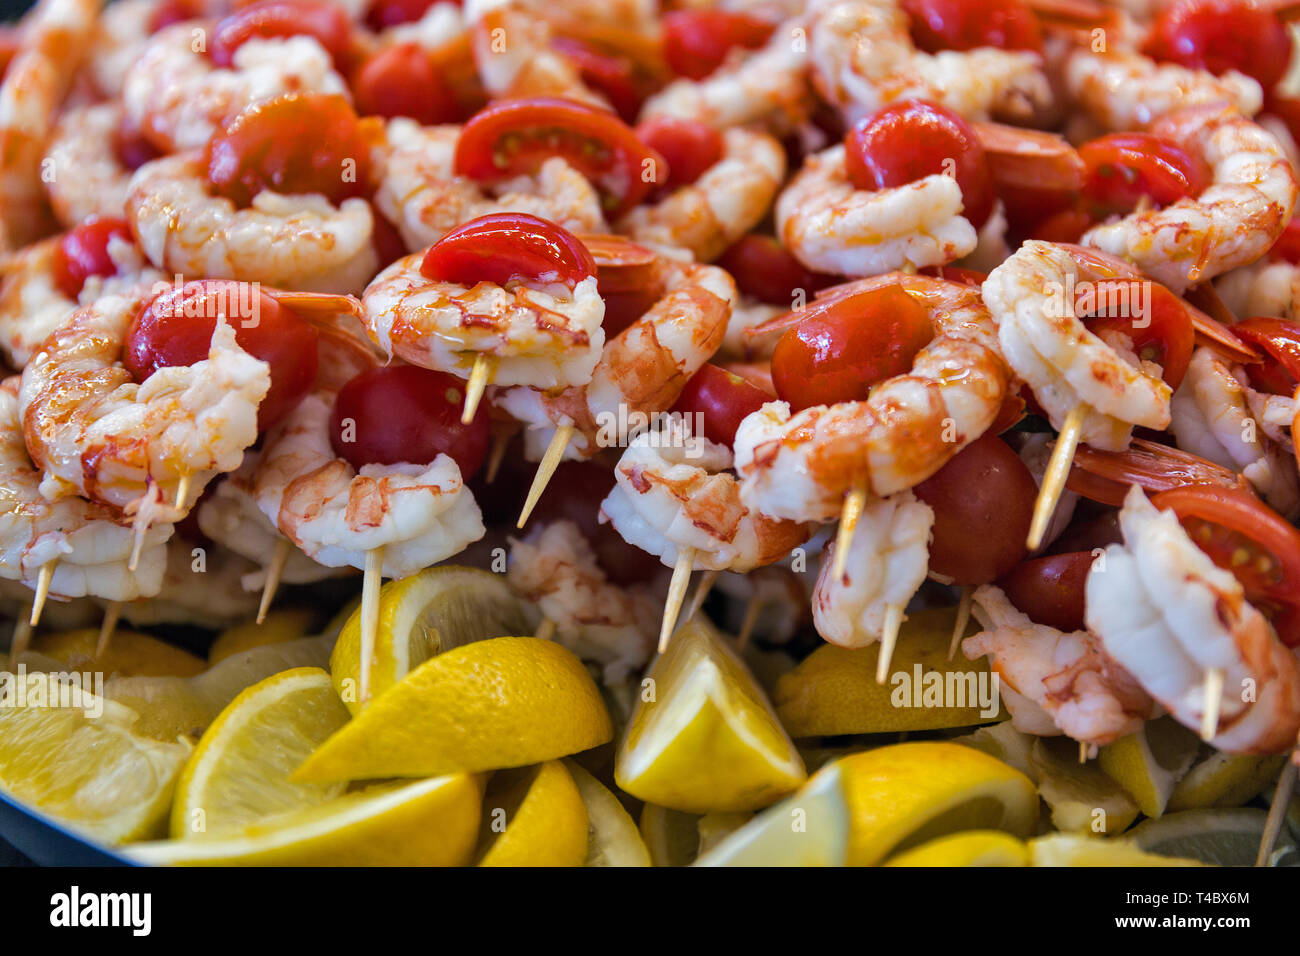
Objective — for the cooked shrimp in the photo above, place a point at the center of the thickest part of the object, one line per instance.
(830, 225)
(301, 242)
(863, 59)
(121, 32)
(748, 313)
(800, 466)
(673, 490)
(87, 179)
(547, 337)
(55, 36)
(419, 513)
(1053, 682)
(555, 567)
(1231, 223)
(420, 193)
(1123, 90)
(90, 545)
(32, 305)
(888, 560)
(1055, 354)
(729, 199)
(98, 434)
(767, 88)
(176, 96)
(641, 371)
(1167, 614)
(1214, 417)
(514, 55)
(1266, 287)
(200, 588)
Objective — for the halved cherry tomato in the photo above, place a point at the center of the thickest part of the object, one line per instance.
(1106, 476)
(401, 80)
(1124, 167)
(722, 399)
(403, 413)
(175, 329)
(1051, 590)
(765, 269)
(82, 252)
(846, 344)
(983, 501)
(1244, 536)
(514, 137)
(697, 41)
(390, 13)
(325, 22)
(295, 143)
(1222, 35)
(688, 147)
(508, 245)
(967, 24)
(908, 141)
(1279, 340)
(1154, 319)
(1287, 246)
(613, 75)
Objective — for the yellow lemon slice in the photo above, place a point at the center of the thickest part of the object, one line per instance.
(612, 837)
(1068, 849)
(1149, 763)
(129, 653)
(534, 816)
(1082, 798)
(1224, 780)
(280, 625)
(972, 848)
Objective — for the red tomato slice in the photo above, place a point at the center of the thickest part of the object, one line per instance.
(1287, 246)
(295, 143)
(765, 269)
(326, 22)
(1243, 535)
(983, 501)
(175, 329)
(908, 141)
(1105, 476)
(1279, 340)
(722, 399)
(967, 24)
(1153, 318)
(403, 413)
(508, 246)
(402, 81)
(1222, 35)
(514, 137)
(83, 252)
(1124, 167)
(845, 344)
(688, 147)
(1051, 590)
(697, 41)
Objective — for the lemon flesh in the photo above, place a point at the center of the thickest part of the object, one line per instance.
(533, 817)
(1082, 798)
(708, 740)
(672, 837)
(239, 773)
(280, 625)
(972, 848)
(612, 835)
(129, 653)
(1068, 849)
(1224, 780)
(503, 702)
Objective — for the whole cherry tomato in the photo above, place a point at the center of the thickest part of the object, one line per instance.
(765, 269)
(722, 400)
(689, 147)
(325, 22)
(82, 252)
(967, 24)
(615, 76)
(1222, 35)
(697, 41)
(503, 246)
(1051, 590)
(401, 80)
(1124, 167)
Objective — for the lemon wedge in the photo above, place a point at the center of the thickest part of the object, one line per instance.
(1224, 780)
(534, 816)
(1003, 742)
(502, 702)
(1082, 798)
(671, 837)
(703, 736)
(239, 773)
(834, 690)
(1148, 764)
(1217, 837)
(424, 615)
(612, 835)
(129, 653)
(972, 848)
(1070, 849)
(280, 625)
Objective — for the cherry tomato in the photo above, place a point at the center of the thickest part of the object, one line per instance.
(388, 242)
(132, 148)
(1106, 476)
(697, 41)
(1051, 590)
(295, 143)
(1086, 533)
(688, 147)
(83, 252)
(1279, 340)
(983, 502)
(514, 137)
(508, 245)
(404, 413)
(957, 275)
(1222, 35)
(1026, 207)
(1287, 246)
(1124, 167)
(175, 329)
(765, 269)
(401, 80)
(963, 25)
(1066, 225)
(173, 11)
(723, 399)
(326, 22)
(1154, 319)
(1244, 536)
(390, 13)
(845, 345)
(614, 75)
(908, 141)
